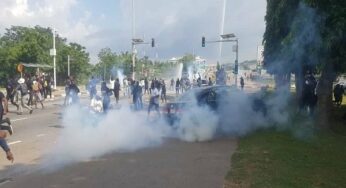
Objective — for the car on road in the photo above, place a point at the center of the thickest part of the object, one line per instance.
(214, 98)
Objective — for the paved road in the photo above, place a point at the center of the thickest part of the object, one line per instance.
(173, 164)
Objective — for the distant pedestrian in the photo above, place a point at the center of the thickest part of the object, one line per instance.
(36, 86)
(338, 94)
(73, 92)
(242, 83)
(146, 86)
(210, 83)
(154, 101)
(163, 92)
(92, 87)
(116, 90)
(67, 92)
(177, 86)
(171, 87)
(24, 96)
(106, 93)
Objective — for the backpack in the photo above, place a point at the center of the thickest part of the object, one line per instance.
(35, 87)
(23, 89)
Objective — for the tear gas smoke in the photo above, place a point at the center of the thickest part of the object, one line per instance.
(179, 73)
(86, 135)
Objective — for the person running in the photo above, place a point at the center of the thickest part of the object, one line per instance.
(116, 90)
(36, 86)
(3, 111)
(154, 101)
(177, 86)
(24, 96)
(163, 92)
(5, 147)
(3, 134)
(11, 93)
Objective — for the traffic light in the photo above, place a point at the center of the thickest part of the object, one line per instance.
(203, 41)
(152, 42)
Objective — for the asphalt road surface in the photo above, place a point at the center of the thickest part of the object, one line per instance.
(172, 164)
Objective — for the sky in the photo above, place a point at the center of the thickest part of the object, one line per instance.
(176, 25)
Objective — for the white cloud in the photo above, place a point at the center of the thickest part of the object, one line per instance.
(176, 25)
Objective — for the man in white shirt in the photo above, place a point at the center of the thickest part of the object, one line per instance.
(154, 100)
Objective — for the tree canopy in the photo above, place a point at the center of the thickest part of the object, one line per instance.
(32, 45)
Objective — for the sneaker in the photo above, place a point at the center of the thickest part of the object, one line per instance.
(10, 129)
(8, 121)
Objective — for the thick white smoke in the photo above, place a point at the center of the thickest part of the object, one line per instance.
(87, 135)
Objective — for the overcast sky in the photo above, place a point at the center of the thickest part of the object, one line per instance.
(176, 25)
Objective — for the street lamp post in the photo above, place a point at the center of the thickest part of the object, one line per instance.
(68, 65)
(53, 53)
(134, 43)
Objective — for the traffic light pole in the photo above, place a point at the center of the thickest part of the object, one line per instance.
(134, 43)
(237, 54)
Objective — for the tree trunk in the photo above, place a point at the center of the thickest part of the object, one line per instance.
(325, 98)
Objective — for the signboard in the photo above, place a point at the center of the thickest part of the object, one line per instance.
(20, 68)
(52, 52)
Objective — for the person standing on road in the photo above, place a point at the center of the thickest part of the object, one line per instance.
(163, 92)
(242, 83)
(36, 93)
(116, 90)
(146, 86)
(106, 93)
(49, 87)
(23, 92)
(338, 93)
(177, 86)
(126, 87)
(74, 90)
(172, 85)
(92, 87)
(67, 92)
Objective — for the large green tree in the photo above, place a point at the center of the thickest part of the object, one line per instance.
(304, 35)
(31, 45)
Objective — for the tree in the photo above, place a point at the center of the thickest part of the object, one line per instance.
(32, 45)
(306, 35)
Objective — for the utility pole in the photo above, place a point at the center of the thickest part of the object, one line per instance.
(68, 65)
(53, 53)
(236, 63)
(133, 44)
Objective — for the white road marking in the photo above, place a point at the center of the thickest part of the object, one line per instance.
(40, 135)
(19, 119)
(15, 142)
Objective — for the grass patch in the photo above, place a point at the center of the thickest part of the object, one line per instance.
(300, 157)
